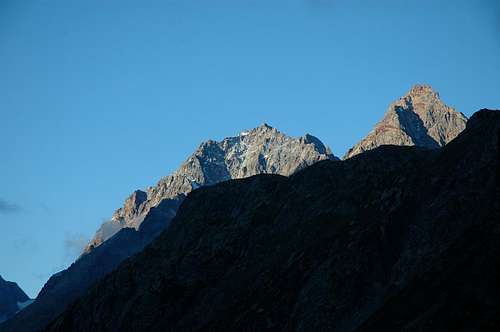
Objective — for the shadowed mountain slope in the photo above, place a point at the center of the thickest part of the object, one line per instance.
(12, 299)
(397, 238)
(144, 215)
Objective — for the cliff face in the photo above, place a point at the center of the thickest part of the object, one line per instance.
(262, 150)
(12, 299)
(398, 238)
(418, 118)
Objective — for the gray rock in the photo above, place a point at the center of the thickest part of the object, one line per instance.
(418, 118)
(262, 150)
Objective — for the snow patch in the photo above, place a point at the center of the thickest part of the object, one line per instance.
(194, 184)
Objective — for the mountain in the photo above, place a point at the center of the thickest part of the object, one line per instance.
(145, 214)
(418, 118)
(260, 150)
(12, 299)
(394, 239)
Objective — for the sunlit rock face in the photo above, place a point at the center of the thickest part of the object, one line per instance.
(418, 118)
(262, 150)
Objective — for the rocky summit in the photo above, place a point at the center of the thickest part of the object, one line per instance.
(12, 299)
(418, 118)
(145, 214)
(395, 239)
(262, 150)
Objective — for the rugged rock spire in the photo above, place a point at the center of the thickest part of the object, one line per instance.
(418, 118)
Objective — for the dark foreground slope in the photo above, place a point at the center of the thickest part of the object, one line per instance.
(261, 150)
(12, 299)
(66, 286)
(398, 238)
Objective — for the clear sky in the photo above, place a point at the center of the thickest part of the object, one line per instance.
(98, 98)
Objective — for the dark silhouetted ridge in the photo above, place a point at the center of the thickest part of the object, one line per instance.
(395, 239)
(12, 299)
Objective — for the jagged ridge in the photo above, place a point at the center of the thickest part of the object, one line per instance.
(261, 150)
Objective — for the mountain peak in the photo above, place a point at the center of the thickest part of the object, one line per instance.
(262, 149)
(265, 126)
(419, 90)
(418, 118)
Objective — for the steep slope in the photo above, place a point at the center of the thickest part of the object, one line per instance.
(418, 118)
(12, 299)
(339, 246)
(261, 150)
(144, 215)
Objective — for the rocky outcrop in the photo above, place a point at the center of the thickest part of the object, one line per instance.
(394, 239)
(125, 217)
(418, 118)
(145, 214)
(12, 299)
(262, 150)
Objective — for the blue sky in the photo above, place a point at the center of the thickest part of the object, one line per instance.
(98, 98)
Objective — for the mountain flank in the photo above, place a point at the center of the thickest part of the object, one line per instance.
(12, 299)
(394, 239)
(420, 118)
(145, 214)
